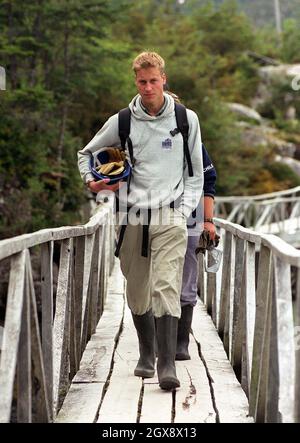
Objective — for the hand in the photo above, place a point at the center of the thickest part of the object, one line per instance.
(210, 227)
(103, 185)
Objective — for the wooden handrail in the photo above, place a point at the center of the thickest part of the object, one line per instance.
(258, 319)
(257, 197)
(250, 300)
(261, 210)
(47, 346)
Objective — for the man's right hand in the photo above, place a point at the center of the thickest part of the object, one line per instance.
(103, 185)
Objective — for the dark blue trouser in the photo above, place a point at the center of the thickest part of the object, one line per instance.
(190, 270)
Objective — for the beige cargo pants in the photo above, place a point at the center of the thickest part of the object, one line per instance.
(155, 281)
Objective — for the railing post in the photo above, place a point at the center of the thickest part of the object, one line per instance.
(225, 291)
(237, 329)
(61, 325)
(47, 315)
(263, 289)
(24, 376)
(263, 372)
(42, 403)
(297, 349)
(250, 303)
(285, 343)
(88, 251)
(78, 293)
(12, 327)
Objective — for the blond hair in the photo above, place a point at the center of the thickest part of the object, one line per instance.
(148, 59)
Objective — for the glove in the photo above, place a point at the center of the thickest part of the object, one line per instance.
(115, 154)
(206, 243)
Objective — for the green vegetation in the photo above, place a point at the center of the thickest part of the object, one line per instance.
(68, 66)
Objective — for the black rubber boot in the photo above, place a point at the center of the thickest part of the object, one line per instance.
(166, 334)
(183, 333)
(145, 328)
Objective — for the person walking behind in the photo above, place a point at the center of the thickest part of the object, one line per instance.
(162, 195)
(188, 298)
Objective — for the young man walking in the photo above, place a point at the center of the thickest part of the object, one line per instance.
(162, 195)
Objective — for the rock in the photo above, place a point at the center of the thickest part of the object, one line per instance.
(268, 137)
(291, 113)
(271, 73)
(291, 162)
(245, 112)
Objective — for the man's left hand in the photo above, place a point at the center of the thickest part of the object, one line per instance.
(210, 227)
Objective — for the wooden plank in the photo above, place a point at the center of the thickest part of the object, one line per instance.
(47, 314)
(297, 350)
(100, 295)
(225, 291)
(240, 367)
(42, 414)
(88, 252)
(157, 404)
(193, 398)
(94, 284)
(262, 391)
(237, 333)
(273, 380)
(227, 340)
(121, 401)
(286, 350)
(231, 401)
(17, 244)
(105, 260)
(102, 276)
(96, 359)
(250, 304)
(71, 360)
(24, 399)
(78, 285)
(81, 403)
(262, 293)
(11, 334)
(282, 250)
(60, 326)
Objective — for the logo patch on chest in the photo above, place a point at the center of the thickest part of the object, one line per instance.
(166, 144)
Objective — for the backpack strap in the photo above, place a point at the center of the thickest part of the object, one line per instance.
(124, 132)
(183, 126)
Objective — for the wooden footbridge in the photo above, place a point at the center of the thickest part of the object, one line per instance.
(69, 348)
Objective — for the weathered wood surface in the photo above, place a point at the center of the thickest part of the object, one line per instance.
(261, 331)
(44, 338)
(105, 390)
(230, 400)
(82, 402)
(11, 333)
(13, 245)
(277, 213)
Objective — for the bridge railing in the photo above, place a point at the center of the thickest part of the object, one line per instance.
(251, 303)
(259, 210)
(44, 337)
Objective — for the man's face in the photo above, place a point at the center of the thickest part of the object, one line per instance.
(150, 84)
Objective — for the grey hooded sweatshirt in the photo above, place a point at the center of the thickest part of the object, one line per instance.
(160, 174)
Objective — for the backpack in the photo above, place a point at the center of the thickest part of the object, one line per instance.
(124, 119)
(182, 127)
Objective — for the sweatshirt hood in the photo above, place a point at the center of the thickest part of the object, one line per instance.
(139, 113)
